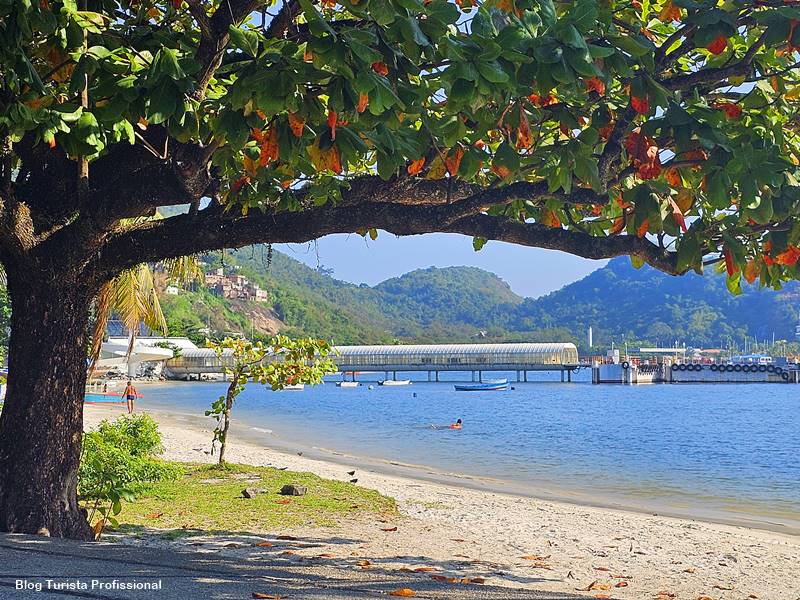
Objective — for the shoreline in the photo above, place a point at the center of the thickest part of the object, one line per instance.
(531, 542)
(739, 514)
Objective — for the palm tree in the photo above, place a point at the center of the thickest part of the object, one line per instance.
(132, 295)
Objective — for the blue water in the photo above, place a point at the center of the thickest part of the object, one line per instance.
(713, 450)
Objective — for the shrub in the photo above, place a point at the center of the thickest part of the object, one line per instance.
(118, 462)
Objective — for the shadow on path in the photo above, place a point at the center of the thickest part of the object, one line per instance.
(204, 573)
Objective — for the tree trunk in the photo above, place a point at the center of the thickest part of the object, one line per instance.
(229, 397)
(42, 419)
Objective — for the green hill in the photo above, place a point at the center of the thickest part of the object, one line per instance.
(468, 304)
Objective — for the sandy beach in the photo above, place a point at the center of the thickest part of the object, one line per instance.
(510, 540)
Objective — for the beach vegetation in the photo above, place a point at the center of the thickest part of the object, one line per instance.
(118, 461)
(601, 129)
(284, 361)
(208, 498)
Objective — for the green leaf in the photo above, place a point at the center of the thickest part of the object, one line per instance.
(244, 39)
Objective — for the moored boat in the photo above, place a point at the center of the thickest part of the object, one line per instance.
(347, 384)
(391, 382)
(296, 387)
(483, 386)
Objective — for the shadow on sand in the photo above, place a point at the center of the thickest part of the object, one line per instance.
(227, 565)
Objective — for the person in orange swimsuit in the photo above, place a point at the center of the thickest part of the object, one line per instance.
(456, 425)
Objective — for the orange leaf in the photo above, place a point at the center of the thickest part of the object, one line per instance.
(154, 515)
(669, 13)
(643, 228)
(524, 137)
(380, 68)
(363, 100)
(389, 529)
(269, 147)
(550, 218)
(404, 593)
(732, 111)
(595, 84)
(415, 166)
(333, 118)
(718, 45)
(250, 166)
(619, 225)
(424, 569)
(534, 557)
(453, 160)
(678, 215)
(263, 596)
(751, 271)
(501, 171)
(640, 104)
(297, 124)
(788, 257)
(730, 267)
(673, 178)
(325, 159)
(264, 544)
(438, 577)
(621, 584)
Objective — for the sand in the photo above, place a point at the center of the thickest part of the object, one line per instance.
(516, 541)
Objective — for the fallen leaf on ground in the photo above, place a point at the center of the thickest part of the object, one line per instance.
(264, 544)
(286, 537)
(602, 569)
(363, 563)
(154, 515)
(534, 557)
(721, 587)
(424, 569)
(388, 528)
(689, 570)
(705, 598)
(327, 555)
(457, 540)
(438, 577)
(404, 593)
(264, 596)
(287, 501)
(621, 584)
(595, 585)
(460, 555)
(405, 570)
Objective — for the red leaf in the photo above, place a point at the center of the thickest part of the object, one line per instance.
(718, 45)
(333, 118)
(595, 84)
(363, 100)
(730, 267)
(380, 68)
(640, 104)
(415, 166)
(678, 216)
(788, 257)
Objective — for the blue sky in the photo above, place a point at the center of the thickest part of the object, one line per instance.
(529, 271)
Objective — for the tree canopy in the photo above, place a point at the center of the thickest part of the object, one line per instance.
(663, 130)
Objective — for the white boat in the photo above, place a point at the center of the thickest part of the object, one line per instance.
(395, 382)
(347, 384)
(297, 387)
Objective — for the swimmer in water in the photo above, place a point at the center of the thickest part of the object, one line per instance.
(456, 425)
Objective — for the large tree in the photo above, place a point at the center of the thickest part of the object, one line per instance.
(661, 130)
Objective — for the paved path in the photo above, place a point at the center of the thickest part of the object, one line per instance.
(193, 575)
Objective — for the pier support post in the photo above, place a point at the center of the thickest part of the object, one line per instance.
(569, 376)
(562, 375)
(437, 376)
(525, 376)
(480, 376)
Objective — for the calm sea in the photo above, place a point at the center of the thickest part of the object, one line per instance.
(729, 452)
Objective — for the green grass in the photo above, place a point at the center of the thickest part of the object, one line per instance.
(209, 498)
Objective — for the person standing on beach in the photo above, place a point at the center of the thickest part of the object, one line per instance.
(130, 394)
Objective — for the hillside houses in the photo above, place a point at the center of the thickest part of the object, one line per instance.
(236, 287)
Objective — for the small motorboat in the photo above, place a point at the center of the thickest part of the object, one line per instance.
(347, 384)
(492, 385)
(391, 382)
(295, 387)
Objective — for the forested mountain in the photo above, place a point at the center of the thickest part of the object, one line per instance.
(468, 304)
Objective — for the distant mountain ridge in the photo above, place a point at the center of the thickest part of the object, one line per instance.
(466, 304)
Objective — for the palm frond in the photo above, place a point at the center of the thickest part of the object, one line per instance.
(103, 312)
(184, 269)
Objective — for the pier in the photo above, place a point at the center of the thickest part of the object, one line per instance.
(431, 358)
